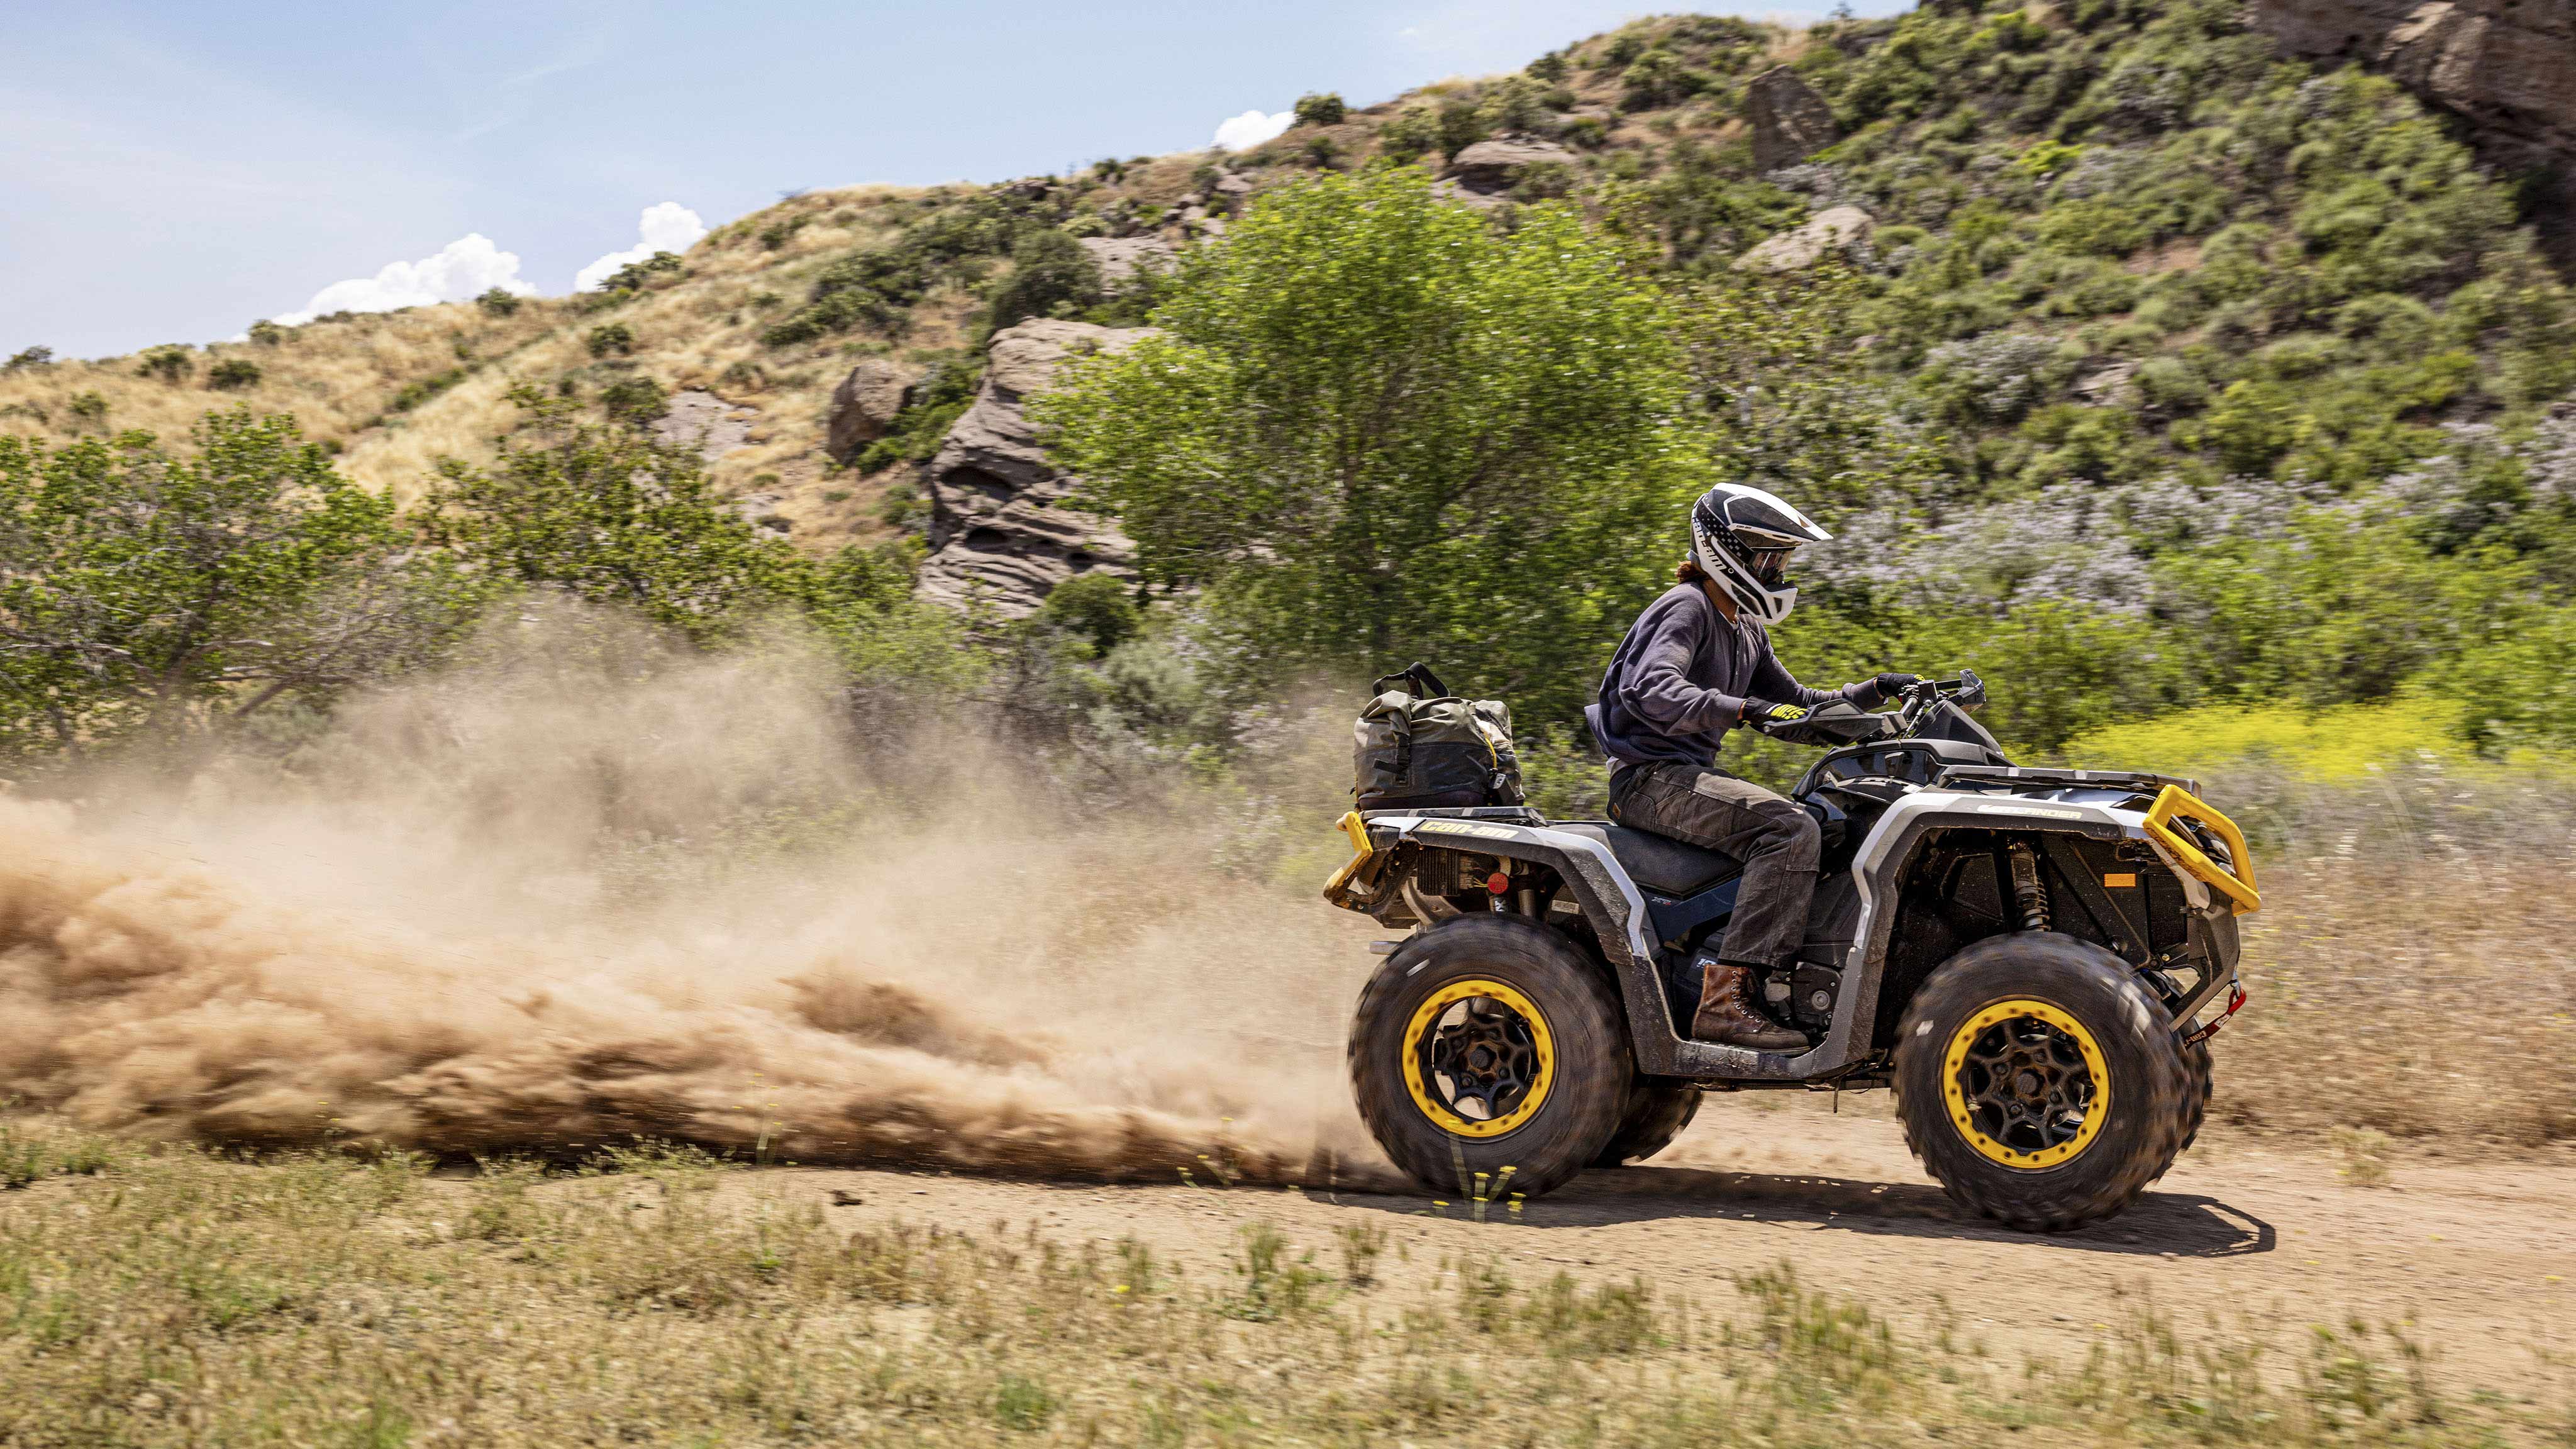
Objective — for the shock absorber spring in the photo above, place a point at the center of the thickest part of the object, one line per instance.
(2028, 892)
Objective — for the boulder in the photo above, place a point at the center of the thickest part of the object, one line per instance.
(1790, 121)
(1121, 257)
(999, 535)
(2503, 66)
(864, 406)
(1841, 228)
(1489, 168)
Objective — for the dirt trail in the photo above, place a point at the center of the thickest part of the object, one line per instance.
(2476, 1258)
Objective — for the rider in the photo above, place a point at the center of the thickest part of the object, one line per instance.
(1696, 664)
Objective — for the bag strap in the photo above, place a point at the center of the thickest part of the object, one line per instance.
(1426, 685)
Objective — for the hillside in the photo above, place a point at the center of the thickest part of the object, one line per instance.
(2110, 306)
(2106, 241)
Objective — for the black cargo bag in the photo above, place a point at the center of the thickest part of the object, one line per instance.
(1419, 747)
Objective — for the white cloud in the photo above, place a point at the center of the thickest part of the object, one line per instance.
(466, 267)
(665, 227)
(1250, 129)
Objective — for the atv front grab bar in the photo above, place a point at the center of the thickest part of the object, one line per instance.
(2175, 802)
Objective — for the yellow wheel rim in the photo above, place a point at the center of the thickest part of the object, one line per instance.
(1518, 1066)
(2026, 1084)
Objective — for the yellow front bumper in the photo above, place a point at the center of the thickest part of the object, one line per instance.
(2237, 884)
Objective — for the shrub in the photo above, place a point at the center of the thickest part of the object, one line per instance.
(1320, 109)
(1410, 134)
(635, 400)
(420, 390)
(611, 338)
(1051, 276)
(89, 407)
(29, 357)
(233, 374)
(1461, 124)
(498, 301)
(1095, 607)
(169, 362)
(267, 333)
(1321, 152)
(635, 276)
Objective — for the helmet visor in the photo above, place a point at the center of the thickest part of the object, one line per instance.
(1769, 566)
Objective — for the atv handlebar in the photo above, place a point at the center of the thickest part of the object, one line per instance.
(1967, 691)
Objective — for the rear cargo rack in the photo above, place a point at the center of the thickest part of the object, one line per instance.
(1509, 814)
(2005, 776)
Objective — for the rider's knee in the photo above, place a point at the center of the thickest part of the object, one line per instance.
(1796, 836)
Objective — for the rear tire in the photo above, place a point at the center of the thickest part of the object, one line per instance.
(1546, 1001)
(1658, 1110)
(2040, 1083)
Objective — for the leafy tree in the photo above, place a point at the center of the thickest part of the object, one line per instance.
(498, 301)
(147, 588)
(1378, 428)
(232, 374)
(28, 357)
(613, 517)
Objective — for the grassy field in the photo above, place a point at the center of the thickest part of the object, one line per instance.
(172, 1297)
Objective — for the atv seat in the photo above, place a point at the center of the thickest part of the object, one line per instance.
(1658, 862)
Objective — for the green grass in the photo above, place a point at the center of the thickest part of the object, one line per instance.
(178, 1298)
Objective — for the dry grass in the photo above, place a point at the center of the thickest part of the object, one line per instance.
(2413, 970)
(174, 1298)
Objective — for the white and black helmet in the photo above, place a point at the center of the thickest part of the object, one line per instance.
(1742, 537)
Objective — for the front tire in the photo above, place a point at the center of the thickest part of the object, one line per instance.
(1489, 1046)
(2040, 1084)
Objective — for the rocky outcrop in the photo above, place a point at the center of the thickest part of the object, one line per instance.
(1790, 121)
(1121, 257)
(1490, 168)
(999, 533)
(2507, 67)
(700, 419)
(1843, 229)
(864, 407)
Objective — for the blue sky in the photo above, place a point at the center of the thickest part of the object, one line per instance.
(172, 171)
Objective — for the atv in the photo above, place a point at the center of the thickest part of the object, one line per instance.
(2033, 959)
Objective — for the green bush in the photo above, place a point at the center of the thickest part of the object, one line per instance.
(169, 362)
(610, 339)
(636, 401)
(1320, 109)
(28, 357)
(1051, 276)
(232, 374)
(498, 301)
(1412, 132)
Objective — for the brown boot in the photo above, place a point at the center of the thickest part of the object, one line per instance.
(1726, 1016)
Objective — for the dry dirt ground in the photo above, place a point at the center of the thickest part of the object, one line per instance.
(2475, 1257)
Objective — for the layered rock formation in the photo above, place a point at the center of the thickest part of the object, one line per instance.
(2508, 67)
(1790, 121)
(999, 534)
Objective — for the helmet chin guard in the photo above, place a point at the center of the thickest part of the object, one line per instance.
(1742, 538)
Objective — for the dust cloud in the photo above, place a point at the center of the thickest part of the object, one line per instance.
(585, 889)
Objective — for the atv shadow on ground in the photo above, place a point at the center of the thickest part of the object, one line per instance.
(2182, 1225)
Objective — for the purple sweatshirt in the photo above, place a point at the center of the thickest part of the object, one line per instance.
(1680, 679)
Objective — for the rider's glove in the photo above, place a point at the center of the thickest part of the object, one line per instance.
(1891, 685)
(1763, 711)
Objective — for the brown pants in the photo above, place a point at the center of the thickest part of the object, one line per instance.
(1777, 840)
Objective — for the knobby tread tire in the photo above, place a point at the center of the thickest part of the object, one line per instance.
(2156, 1093)
(1657, 1112)
(2206, 1086)
(1589, 1089)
